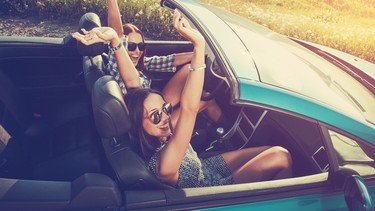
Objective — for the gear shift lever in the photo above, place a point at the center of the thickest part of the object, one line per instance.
(219, 132)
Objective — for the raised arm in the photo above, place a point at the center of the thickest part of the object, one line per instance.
(125, 65)
(114, 17)
(172, 154)
(182, 58)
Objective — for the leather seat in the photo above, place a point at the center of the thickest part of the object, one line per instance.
(113, 124)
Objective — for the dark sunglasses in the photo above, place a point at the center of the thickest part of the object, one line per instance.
(156, 116)
(132, 46)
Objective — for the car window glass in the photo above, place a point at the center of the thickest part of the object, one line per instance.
(353, 154)
(301, 71)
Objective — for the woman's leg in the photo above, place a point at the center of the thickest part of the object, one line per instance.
(259, 164)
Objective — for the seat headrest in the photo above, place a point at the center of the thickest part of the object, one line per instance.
(110, 111)
(89, 21)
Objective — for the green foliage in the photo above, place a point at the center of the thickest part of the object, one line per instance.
(153, 20)
(347, 25)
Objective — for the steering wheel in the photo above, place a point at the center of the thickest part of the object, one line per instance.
(212, 94)
(214, 69)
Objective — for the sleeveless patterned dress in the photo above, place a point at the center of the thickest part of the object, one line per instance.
(196, 172)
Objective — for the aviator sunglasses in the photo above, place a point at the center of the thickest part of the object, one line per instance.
(156, 116)
(132, 46)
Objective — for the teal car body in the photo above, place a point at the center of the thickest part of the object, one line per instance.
(276, 72)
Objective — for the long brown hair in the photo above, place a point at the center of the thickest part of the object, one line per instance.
(145, 144)
(129, 28)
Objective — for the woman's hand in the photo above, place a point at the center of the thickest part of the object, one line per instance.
(183, 27)
(125, 66)
(97, 34)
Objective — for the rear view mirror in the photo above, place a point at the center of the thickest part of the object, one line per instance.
(356, 194)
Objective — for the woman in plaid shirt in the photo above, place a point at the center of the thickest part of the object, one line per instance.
(133, 40)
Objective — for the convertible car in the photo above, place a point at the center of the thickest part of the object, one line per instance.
(64, 124)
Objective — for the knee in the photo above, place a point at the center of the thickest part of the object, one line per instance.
(282, 157)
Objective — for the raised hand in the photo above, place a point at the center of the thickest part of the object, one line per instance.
(183, 27)
(95, 35)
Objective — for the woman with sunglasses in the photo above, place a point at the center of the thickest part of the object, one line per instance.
(167, 148)
(133, 40)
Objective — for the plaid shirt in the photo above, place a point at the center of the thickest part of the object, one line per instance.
(155, 64)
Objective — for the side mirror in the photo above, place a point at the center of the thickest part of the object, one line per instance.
(356, 194)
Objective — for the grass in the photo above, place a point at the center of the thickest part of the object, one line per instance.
(346, 25)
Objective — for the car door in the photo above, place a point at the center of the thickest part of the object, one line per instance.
(349, 157)
(331, 189)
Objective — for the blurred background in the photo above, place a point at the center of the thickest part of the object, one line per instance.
(346, 25)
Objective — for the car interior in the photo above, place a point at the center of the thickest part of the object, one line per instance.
(70, 138)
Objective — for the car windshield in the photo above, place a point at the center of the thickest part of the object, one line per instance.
(312, 76)
(283, 63)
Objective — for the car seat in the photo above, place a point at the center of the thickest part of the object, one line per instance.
(113, 125)
(93, 62)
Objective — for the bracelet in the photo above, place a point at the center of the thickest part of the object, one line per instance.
(197, 68)
(114, 49)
